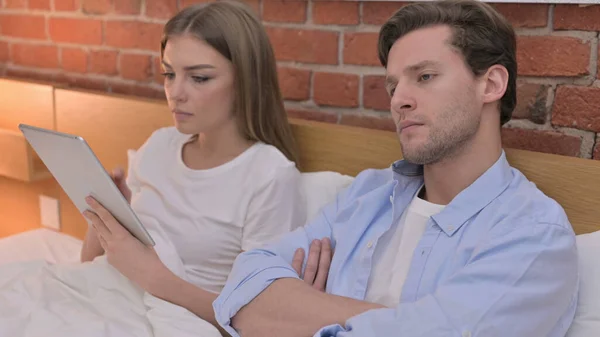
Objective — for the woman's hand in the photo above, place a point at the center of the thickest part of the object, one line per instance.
(138, 262)
(118, 177)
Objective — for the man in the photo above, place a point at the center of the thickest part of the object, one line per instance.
(450, 241)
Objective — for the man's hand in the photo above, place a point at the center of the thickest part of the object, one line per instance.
(317, 265)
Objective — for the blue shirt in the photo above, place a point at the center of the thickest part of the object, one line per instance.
(499, 260)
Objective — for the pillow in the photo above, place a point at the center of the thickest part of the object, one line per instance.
(321, 188)
(587, 317)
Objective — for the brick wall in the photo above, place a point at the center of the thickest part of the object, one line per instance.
(327, 56)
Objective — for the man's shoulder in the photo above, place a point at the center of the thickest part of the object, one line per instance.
(376, 184)
(524, 201)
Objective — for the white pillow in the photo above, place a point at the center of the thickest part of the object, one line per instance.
(321, 188)
(587, 317)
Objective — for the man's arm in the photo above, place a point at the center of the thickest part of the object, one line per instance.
(516, 284)
(289, 307)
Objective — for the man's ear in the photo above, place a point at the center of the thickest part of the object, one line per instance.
(496, 81)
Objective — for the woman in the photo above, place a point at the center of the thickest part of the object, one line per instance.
(224, 179)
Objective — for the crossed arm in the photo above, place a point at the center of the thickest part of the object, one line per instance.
(521, 282)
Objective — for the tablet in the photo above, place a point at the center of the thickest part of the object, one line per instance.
(80, 174)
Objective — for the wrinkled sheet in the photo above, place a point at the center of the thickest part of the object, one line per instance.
(92, 299)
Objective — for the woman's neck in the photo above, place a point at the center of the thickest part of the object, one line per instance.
(208, 150)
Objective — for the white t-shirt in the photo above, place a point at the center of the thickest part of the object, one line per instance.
(394, 252)
(210, 216)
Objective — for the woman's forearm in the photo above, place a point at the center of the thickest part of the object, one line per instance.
(91, 247)
(171, 288)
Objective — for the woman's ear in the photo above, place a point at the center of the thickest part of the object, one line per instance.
(496, 81)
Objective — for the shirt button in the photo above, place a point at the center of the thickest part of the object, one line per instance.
(450, 228)
(466, 333)
(370, 244)
(392, 199)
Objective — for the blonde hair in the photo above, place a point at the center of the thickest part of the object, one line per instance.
(233, 30)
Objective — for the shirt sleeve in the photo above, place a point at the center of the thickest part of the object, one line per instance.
(255, 270)
(523, 283)
(276, 208)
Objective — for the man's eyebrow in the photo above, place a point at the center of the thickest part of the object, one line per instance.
(419, 66)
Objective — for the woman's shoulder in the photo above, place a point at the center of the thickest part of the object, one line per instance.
(268, 163)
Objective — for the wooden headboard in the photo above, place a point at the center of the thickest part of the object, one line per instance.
(112, 124)
(572, 182)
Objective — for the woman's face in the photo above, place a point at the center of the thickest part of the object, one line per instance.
(198, 85)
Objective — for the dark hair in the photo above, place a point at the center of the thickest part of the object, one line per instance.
(483, 36)
(234, 30)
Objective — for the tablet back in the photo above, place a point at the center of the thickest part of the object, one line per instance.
(80, 174)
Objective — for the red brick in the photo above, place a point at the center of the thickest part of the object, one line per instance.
(253, 4)
(158, 77)
(14, 4)
(163, 9)
(336, 89)
(361, 49)
(187, 3)
(81, 82)
(308, 46)
(97, 6)
(541, 141)
(524, 15)
(136, 67)
(319, 116)
(81, 31)
(577, 107)
(26, 74)
(377, 12)
(39, 4)
(75, 60)
(531, 102)
(103, 62)
(596, 154)
(23, 26)
(136, 90)
(574, 17)
(552, 56)
(374, 94)
(128, 7)
(66, 5)
(4, 52)
(294, 83)
(40, 56)
(132, 34)
(370, 122)
(284, 10)
(335, 13)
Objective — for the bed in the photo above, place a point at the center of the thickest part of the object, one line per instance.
(330, 156)
(41, 243)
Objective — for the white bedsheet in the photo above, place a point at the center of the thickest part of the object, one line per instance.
(40, 244)
(40, 298)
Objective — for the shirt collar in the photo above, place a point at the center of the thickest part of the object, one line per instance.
(472, 199)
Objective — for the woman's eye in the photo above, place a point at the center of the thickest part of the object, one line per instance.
(200, 79)
(168, 76)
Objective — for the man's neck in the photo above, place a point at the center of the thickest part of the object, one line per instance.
(444, 180)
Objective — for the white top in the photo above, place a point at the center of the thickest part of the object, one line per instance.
(393, 255)
(210, 216)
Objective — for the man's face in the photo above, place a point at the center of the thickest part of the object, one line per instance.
(436, 101)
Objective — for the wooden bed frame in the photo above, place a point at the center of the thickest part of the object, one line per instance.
(112, 124)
